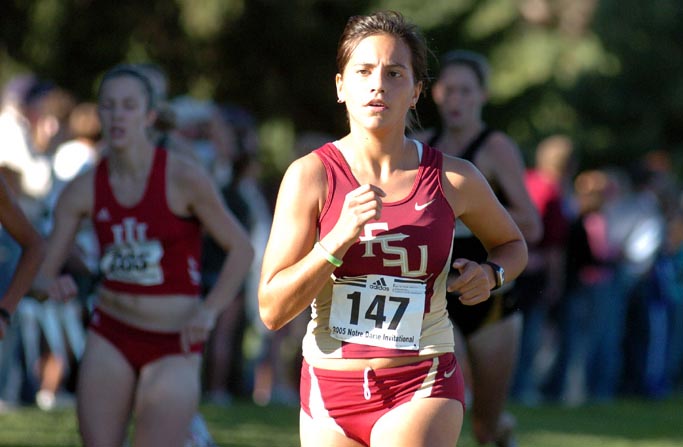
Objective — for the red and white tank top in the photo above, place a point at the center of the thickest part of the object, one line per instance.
(145, 249)
(388, 299)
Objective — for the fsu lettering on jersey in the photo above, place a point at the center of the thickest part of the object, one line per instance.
(388, 299)
(145, 249)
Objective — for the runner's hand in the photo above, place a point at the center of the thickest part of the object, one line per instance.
(62, 289)
(198, 328)
(472, 283)
(360, 206)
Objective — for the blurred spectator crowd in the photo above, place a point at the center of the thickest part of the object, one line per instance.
(602, 297)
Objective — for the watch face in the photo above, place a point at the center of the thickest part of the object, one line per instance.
(499, 273)
(501, 276)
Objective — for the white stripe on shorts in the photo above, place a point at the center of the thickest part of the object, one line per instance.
(317, 406)
(425, 389)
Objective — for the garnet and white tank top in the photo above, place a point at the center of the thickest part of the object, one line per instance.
(388, 299)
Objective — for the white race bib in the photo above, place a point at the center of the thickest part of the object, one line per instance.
(378, 310)
(134, 263)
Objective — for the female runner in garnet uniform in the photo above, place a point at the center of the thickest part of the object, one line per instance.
(358, 235)
(148, 207)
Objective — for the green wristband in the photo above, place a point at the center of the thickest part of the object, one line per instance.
(332, 259)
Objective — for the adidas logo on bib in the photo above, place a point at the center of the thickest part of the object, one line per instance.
(380, 284)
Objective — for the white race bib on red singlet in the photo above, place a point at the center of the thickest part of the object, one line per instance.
(378, 310)
(134, 263)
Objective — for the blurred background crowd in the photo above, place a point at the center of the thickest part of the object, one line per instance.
(603, 170)
(49, 137)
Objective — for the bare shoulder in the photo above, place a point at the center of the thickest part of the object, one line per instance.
(499, 157)
(458, 170)
(500, 144)
(185, 172)
(307, 168)
(189, 187)
(304, 181)
(462, 182)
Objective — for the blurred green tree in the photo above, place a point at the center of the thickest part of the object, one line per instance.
(606, 72)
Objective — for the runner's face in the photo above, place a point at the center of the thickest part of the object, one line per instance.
(123, 109)
(459, 97)
(378, 84)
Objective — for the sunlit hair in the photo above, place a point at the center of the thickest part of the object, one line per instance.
(384, 22)
(474, 61)
(126, 70)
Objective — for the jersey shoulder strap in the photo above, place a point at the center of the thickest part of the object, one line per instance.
(472, 148)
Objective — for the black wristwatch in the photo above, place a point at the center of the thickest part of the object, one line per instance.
(498, 273)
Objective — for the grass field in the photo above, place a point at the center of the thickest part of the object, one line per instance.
(627, 423)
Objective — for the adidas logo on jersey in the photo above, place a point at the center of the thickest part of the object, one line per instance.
(380, 284)
(103, 215)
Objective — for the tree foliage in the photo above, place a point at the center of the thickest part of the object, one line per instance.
(605, 72)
